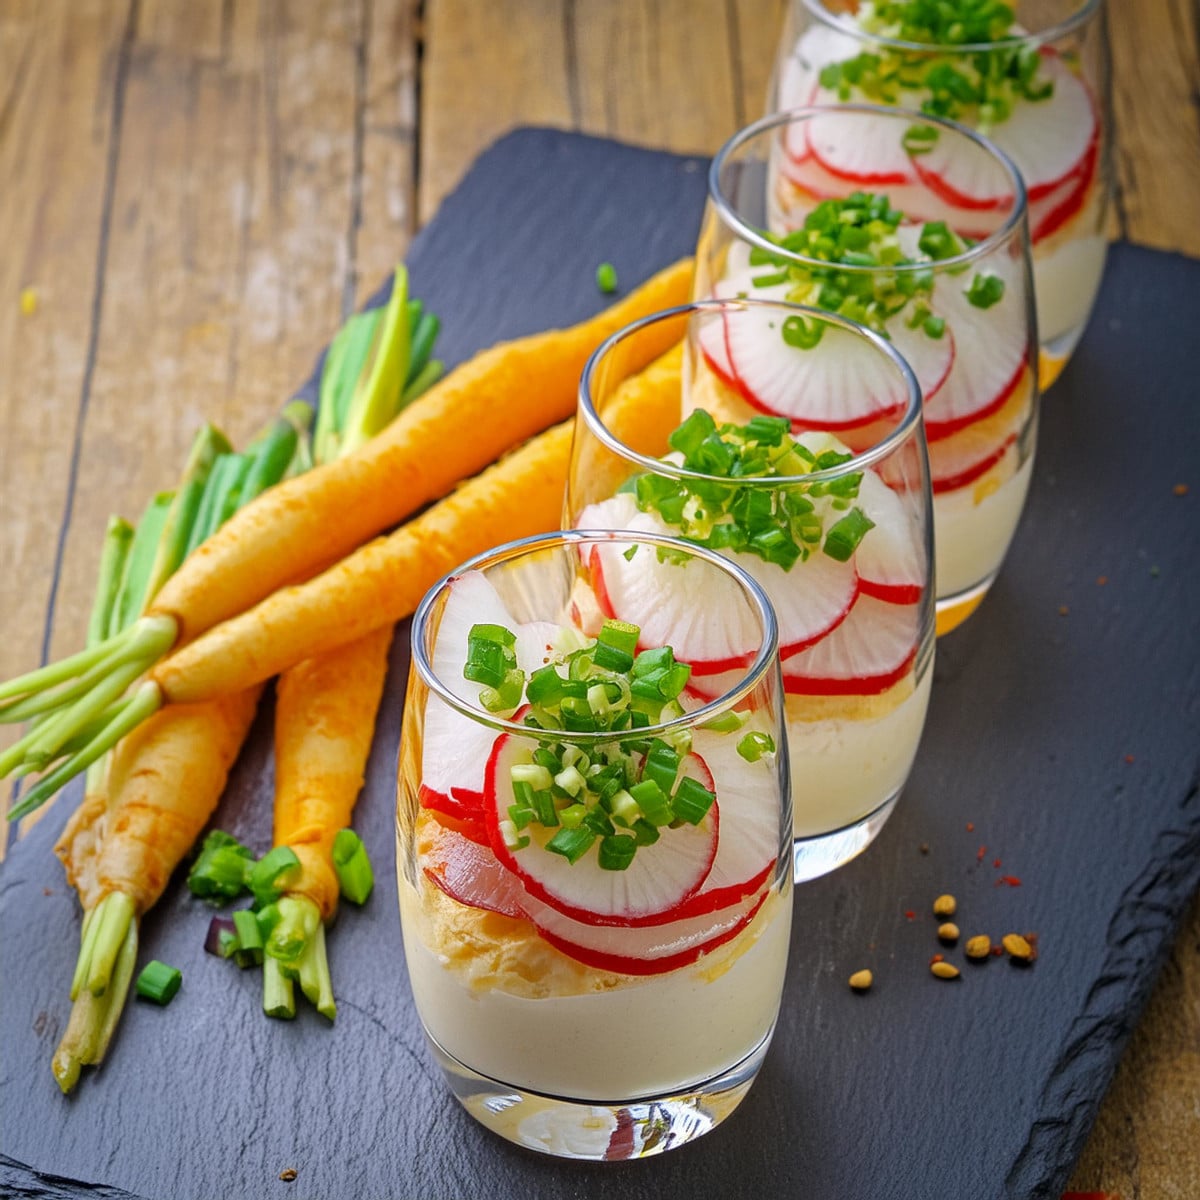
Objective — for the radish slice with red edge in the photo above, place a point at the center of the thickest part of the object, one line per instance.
(658, 880)
(469, 872)
(840, 383)
(872, 649)
(868, 153)
(653, 950)
(890, 559)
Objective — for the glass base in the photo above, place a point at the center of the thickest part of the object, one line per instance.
(595, 1130)
(952, 611)
(821, 853)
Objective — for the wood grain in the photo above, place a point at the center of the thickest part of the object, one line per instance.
(199, 192)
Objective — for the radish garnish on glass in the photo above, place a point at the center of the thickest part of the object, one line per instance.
(1028, 75)
(585, 844)
(838, 538)
(955, 301)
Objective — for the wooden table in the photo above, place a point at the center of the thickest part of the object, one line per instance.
(195, 192)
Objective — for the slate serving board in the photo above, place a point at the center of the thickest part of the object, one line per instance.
(921, 1089)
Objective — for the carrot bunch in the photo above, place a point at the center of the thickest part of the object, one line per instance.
(274, 549)
(144, 809)
(462, 424)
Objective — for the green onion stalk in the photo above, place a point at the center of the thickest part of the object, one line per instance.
(82, 706)
(378, 363)
(86, 703)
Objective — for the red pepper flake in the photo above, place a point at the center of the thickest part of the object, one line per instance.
(1101, 580)
(937, 958)
(47, 891)
(1009, 880)
(997, 951)
(995, 862)
(980, 854)
(909, 915)
(1063, 610)
(1180, 489)
(970, 826)
(1129, 758)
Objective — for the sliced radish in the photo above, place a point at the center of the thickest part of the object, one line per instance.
(993, 346)
(658, 881)
(750, 823)
(683, 611)
(469, 872)
(1050, 139)
(1050, 213)
(890, 560)
(861, 150)
(872, 649)
(455, 749)
(700, 614)
(839, 384)
(651, 950)
(960, 459)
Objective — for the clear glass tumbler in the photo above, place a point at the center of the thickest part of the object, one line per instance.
(839, 540)
(593, 865)
(855, 238)
(1030, 75)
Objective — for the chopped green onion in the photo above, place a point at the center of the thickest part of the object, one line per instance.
(572, 844)
(269, 876)
(617, 851)
(249, 950)
(755, 744)
(222, 871)
(606, 278)
(691, 801)
(985, 290)
(843, 539)
(352, 866)
(159, 982)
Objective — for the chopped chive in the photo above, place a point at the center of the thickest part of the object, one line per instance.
(572, 844)
(755, 744)
(249, 951)
(159, 982)
(843, 539)
(691, 801)
(985, 290)
(270, 874)
(617, 851)
(352, 866)
(606, 278)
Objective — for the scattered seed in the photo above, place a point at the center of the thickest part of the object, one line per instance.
(1129, 758)
(944, 970)
(948, 931)
(1063, 610)
(860, 981)
(29, 303)
(997, 951)
(1018, 947)
(910, 914)
(979, 946)
(944, 906)
(924, 847)
(1101, 580)
(995, 862)
(1180, 489)
(287, 1174)
(970, 826)
(980, 853)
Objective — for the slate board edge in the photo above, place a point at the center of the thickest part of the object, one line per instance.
(1140, 938)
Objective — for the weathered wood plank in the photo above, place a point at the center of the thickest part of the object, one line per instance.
(488, 67)
(58, 76)
(1156, 109)
(229, 252)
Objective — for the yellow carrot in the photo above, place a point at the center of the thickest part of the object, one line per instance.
(497, 400)
(383, 582)
(378, 584)
(324, 720)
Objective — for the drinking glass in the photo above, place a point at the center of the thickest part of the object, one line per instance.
(593, 867)
(1031, 78)
(956, 303)
(839, 541)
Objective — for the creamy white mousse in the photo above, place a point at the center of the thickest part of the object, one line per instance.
(845, 767)
(975, 524)
(625, 1037)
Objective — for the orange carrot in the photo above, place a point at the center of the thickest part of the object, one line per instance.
(495, 401)
(324, 720)
(380, 583)
(383, 582)
(165, 781)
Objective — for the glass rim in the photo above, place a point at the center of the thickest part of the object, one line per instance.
(909, 424)
(752, 675)
(1060, 29)
(985, 246)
